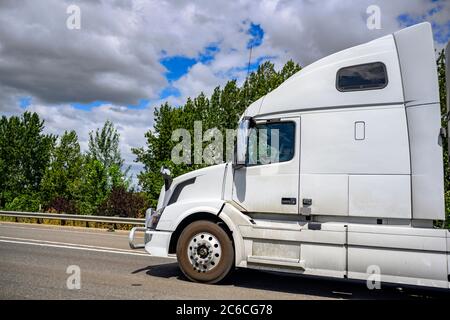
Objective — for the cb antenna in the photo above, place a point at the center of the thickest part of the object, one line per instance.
(247, 93)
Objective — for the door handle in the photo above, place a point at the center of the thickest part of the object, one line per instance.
(289, 201)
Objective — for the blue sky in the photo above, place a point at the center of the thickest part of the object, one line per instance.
(257, 35)
(178, 66)
(24, 102)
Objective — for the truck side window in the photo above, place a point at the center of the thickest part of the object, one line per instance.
(362, 77)
(271, 143)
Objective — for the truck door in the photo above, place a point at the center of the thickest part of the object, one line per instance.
(269, 181)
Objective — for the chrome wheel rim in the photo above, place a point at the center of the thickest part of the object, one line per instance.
(204, 252)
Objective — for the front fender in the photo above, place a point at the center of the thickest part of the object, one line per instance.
(177, 212)
(174, 214)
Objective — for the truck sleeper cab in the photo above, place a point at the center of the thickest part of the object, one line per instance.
(354, 188)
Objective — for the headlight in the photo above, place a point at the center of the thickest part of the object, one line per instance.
(152, 217)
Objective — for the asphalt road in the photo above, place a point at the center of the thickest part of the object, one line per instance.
(34, 260)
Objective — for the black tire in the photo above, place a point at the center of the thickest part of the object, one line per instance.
(224, 265)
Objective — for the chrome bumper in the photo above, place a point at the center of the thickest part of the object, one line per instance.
(155, 243)
(131, 238)
(132, 233)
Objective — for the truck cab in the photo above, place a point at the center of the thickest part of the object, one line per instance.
(338, 172)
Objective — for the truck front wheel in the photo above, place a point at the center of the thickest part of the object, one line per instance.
(205, 252)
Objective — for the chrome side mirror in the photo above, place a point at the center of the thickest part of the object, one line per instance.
(242, 140)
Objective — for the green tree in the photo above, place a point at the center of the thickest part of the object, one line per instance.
(92, 187)
(443, 97)
(158, 152)
(64, 168)
(24, 156)
(104, 147)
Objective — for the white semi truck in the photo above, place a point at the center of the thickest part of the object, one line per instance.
(356, 188)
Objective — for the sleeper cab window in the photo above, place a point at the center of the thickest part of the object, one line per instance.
(271, 143)
(362, 77)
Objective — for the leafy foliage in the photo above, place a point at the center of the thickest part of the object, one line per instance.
(24, 156)
(43, 171)
(123, 203)
(91, 189)
(104, 145)
(65, 166)
(24, 202)
(62, 205)
(443, 97)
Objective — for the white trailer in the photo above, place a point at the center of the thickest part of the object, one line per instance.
(355, 190)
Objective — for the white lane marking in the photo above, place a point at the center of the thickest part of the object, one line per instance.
(5, 225)
(74, 248)
(67, 244)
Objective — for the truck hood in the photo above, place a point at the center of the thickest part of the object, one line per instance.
(205, 183)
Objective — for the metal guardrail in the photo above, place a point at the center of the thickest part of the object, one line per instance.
(72, 217)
